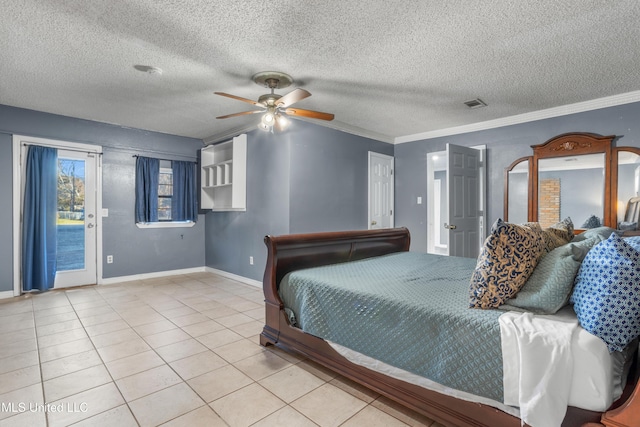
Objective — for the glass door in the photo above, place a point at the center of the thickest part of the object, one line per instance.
(76, 219)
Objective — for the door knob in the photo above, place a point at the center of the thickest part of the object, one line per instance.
(449, 227)
(90, 225)
(374, 222)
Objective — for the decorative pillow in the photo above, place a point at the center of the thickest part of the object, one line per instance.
(549, 287)
(626, 226)
(506, 261)
(605, 232)
(592, 222)
(558, 234)
(606, 296)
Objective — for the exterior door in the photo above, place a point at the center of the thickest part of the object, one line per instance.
(463, 185)
(380, 191)
(78, 193)
(76, 250)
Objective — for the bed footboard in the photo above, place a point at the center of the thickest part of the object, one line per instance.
(294, 252)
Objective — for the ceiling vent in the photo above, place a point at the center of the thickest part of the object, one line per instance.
(475, 103)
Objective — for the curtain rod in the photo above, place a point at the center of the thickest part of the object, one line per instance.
(138, 150)
(24, 144)
(168, 160)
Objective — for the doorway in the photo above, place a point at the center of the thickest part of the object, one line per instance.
(456, 201)
(78, 224)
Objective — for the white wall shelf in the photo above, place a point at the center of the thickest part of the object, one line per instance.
(224, 175)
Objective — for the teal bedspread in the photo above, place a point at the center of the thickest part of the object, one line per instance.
(409, 310)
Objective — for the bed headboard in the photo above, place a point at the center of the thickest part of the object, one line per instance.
(296, 251)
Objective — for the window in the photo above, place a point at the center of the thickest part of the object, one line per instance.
(165, 193)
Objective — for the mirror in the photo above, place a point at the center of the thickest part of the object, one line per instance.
(628, 189)
(517, 191)
(571, 186)
(573, 175)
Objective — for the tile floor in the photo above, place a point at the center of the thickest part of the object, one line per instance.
(173, 351)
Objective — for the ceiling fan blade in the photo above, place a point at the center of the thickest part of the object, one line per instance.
(309, 113)
(239, 114)
(292, 97)
(239, 98)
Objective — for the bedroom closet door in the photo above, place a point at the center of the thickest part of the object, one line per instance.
(380, 191)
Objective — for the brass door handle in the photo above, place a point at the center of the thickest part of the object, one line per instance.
(373, 222)
(449, 227)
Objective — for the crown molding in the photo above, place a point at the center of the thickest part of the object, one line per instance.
(579, 107)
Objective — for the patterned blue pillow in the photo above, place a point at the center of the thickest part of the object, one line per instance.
(606, 295)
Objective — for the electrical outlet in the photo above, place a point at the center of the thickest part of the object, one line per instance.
(250, 260)
(109, 259)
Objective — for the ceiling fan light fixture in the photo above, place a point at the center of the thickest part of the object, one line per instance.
(282, 121)
(268, 119)
(275, 106)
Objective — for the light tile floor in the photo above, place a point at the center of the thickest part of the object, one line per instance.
(176, 351)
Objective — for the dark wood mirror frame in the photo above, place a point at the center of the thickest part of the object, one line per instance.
(572, 144)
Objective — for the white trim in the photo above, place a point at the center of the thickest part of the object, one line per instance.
(119, 279)
(235, 277)
(17, 198)
(7, 294)
(168, 224)
(579, 107)
(17, 203)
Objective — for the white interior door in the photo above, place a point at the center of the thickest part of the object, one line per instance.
(380, 191)
(463, 184)
(76, 251)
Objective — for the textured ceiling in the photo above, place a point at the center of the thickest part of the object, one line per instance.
(386, 69)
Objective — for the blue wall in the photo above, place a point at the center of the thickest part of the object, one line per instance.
(135, 251)
(309, 178)
(504, 145)
(6, 214)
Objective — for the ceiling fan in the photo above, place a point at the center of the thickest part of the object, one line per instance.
(276, 107)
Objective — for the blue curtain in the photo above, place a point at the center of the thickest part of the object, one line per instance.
(184, 202)
(147, 175)
(39, 234)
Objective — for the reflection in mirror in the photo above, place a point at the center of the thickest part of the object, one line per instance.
(571, 186)
(628, 190)
(518, 191)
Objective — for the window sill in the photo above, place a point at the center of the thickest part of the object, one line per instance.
(168, 224)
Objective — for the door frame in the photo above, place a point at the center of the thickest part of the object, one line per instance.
(392, 199)
(18, 179)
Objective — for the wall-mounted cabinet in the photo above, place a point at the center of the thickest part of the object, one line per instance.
(224, 175)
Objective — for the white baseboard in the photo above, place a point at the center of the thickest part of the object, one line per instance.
(112, 280)
(235, 277)
(6, 294)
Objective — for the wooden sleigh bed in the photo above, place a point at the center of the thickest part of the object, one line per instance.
(294, 252)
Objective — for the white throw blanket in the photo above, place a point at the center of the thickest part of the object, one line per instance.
(538, 365)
